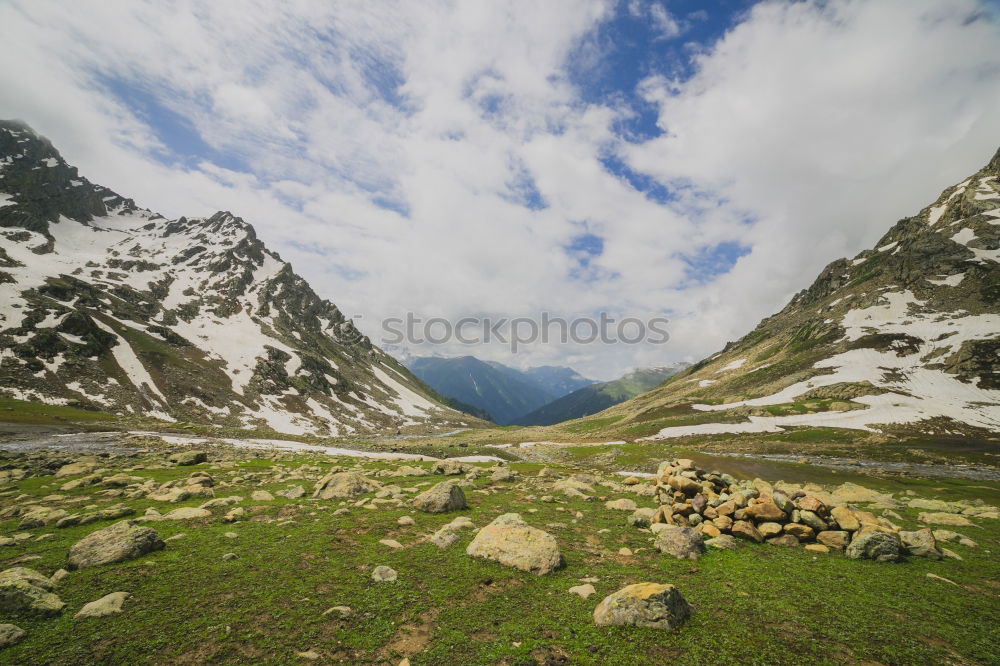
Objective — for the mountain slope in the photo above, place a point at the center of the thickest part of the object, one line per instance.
(109, 306)
(904, 339)
(555, 380)
(502, 392)
(592, 399)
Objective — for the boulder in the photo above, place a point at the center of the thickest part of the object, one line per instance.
(723, 542)
(766, 511)
(921, 543)
(445, 496)
(745, 530)
(945, 519)
(510, 541)
(784, 540)
(25, 590)
(11, 635)
(684, 485)
(852, 492)
(845, 518)
(384, 574)
(800, 531)
(583, 591)
(261, 496)
(684, 543)
(768, 530)
(343, 485)
(642, 517)
(878, 546)
(649, 605)
(170, 495)
(185, 458)
(109, 604)
(186, 513)
(449, 468)
(73, 469)
(837, 539)
(293, 492)
(122, 541)
(623, 504)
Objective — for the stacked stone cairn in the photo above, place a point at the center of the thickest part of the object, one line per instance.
(718, 506)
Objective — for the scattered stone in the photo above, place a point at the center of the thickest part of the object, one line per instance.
(294, 492)
(230, 556)
(445, 496)
(186, 513)
(11, 635)
(384, 574)
(343, 485)
(120, 542)
(391, 543)
(186, 458)
(262, 496)
(73, 469)
(582, 591)
(510, 541)
(643, 605)
(723, 542)
(878, 546)
(58, 576)
(405, 521)
(921, 543)
(26, 590)
(625, 552)
(642, 517)
(945, 519)
(621, 505)
(942, 578)
(109, 604)
(789, 540)
(681, 542)
(817, 548)
(342, 611)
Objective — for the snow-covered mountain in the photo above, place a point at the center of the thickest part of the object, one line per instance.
(903, 339)
(110, 306)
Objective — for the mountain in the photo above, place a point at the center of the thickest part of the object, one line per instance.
(109, 306)
(596, 397)
(903, 339)
(504, 392)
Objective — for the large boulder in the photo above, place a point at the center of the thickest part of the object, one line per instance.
(744, 529)
(343, 485)
(11, 634)
(445, 496)
(26, 590)
(684, 543)
(878, 546)
(109, 604)
(510, 541)
(643, 605)
(766, 511)
(122, 541)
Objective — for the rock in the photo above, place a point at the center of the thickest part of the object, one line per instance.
(25, 590)
(405, 521)
(837, 539)
(768, 530)
(40, 516)
(631, 481)
(709, 530)
(816, 548)
(812, 520)
(512, 542)
(623, 504)
(852, 492)
(782, 502)
(878, 546)
(343, 485)
(308, 655)
(503, 474)
(391, 543)
(642, 517)
(684, 485)
(724, 523)
(109, 604)
(681, 542)
(945, 519)
(261, 496)
(947, 552)
(228, 557)
(643, 605)
(185, 458)
(745, 530)
(186, 513)
(11, 635)
(221, 502)
(845, 518)
(625, 552)
(294, 492)
(766, 511)
(800, 531)
(170, 495)
(921, 543)
(934, 505)
(789, 540)
(445, 496)
(811, 503)
(75, 468)
(723, 542)
(448, 468)
(341, 611)
(384, 574)
(582, 591)
(234, 515)
(58, 576)
(448, 534)
(122, 541)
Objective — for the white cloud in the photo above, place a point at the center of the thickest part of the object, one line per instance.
(390, 146)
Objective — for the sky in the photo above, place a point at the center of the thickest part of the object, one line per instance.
(699, 161)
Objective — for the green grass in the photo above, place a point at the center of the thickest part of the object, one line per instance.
(20, 411)
(756, 605)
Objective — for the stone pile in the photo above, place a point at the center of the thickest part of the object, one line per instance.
(717, 507)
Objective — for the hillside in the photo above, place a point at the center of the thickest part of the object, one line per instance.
(108, 306)
(902, 340)
(592, 399)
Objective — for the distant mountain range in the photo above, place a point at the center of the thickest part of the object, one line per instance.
(596, 397)
(503, 392)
